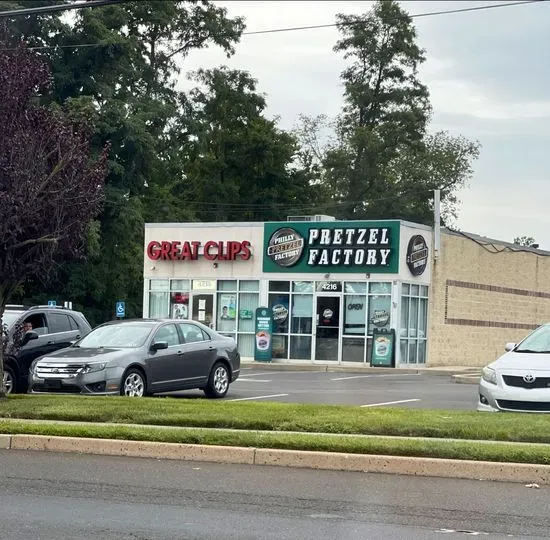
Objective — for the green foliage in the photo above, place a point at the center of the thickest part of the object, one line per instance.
(381, 161)
(241, 166)
(126, 86)
(525, 241)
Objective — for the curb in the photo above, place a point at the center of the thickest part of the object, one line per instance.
(412, 466)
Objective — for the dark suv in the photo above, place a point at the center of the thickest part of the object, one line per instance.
(53, 328)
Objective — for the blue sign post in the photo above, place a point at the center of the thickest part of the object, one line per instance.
(120, 310)
(52, 303)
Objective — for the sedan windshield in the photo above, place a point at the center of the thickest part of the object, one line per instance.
(537, 342)
(119, 336)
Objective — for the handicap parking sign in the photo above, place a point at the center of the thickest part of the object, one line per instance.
(120, 309)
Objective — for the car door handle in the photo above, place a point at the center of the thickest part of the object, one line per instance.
(77, 336)
(179, 353)
(49, 343)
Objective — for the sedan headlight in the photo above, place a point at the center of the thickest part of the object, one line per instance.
(489, 375)
(92, 368)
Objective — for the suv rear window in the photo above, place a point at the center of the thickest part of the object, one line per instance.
(59, 322)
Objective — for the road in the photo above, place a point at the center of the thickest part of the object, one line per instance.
(60, 497)
(426, 391)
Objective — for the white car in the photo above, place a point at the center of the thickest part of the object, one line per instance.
(520, 379)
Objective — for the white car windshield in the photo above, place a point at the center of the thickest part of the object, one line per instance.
(537, 342)
(119, 336)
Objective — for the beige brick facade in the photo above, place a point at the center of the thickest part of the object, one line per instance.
(481, 298)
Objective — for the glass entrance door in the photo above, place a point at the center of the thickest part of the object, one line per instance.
(328, 328)
(203, 308)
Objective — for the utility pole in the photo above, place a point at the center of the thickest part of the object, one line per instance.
(437, 223)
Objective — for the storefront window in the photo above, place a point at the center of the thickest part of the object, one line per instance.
(159, 298)
(302, 287)
(355, 313)
(355, 288)
(413, 327)
(379, 306)
(159, 305)
(302, 314)
(300, 347)
(279, 303)
(227, 285)
(248, 302)
(279, 286)
(353, 349)
(249, 285)
(179, 299)
(245, 343)
(227, 312)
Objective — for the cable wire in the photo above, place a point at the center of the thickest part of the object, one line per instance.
(268, 31)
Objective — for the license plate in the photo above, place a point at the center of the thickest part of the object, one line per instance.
(52, 383)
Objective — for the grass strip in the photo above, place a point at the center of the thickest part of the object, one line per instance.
(476, 450)
(272, 416)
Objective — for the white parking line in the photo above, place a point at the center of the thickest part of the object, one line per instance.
(242, 379)
(375, 376)
(390, 403)
(257, 397)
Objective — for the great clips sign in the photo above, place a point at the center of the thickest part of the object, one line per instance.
(339, 247)
(193, 251)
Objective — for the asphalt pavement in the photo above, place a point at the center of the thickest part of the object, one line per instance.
(425, 391)
(50, 496)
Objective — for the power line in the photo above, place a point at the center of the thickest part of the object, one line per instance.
(97, 3)
(413, 16)
(59, 7)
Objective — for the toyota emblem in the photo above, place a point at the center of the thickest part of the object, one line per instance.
(529, 378)
(55, 370)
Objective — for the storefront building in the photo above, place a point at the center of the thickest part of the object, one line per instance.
(329, 285)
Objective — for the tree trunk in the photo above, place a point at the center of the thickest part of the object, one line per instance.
(3, 301)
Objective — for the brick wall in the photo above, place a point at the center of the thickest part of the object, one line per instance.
(480, 300)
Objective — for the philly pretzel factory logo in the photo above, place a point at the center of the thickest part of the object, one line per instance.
(285, 247)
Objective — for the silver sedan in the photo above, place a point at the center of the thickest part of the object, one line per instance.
(520, 379)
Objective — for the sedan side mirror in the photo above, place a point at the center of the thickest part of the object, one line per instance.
(28, 336)
(159, 345)
(510, 347)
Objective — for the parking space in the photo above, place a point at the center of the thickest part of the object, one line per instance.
(429, 391)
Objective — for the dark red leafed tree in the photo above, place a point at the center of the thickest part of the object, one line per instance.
(51, 186)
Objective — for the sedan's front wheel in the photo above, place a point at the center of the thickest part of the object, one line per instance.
(133, 384)
(218, 382)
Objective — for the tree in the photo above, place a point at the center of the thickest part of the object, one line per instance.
(126, 83)
(525, 241)
(51, 185)
(382, 162)
(240, 165)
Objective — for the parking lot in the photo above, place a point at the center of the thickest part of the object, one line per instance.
(428, 391)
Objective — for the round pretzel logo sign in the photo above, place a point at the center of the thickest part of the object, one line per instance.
(417, 255)
(285, 247)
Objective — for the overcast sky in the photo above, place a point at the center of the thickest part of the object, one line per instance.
(488, 73)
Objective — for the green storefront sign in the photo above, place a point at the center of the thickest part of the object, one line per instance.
(383, 348)
(335, 246)
(263, 339)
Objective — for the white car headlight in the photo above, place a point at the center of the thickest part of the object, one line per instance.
(92, 368)
(489, 375)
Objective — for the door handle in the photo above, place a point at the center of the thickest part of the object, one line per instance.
(77, 336)
(49, 343)
(179, 353)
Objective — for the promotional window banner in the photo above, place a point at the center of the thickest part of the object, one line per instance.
(335, 246)
(383, 348)
(228, 306)
(263, 340)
